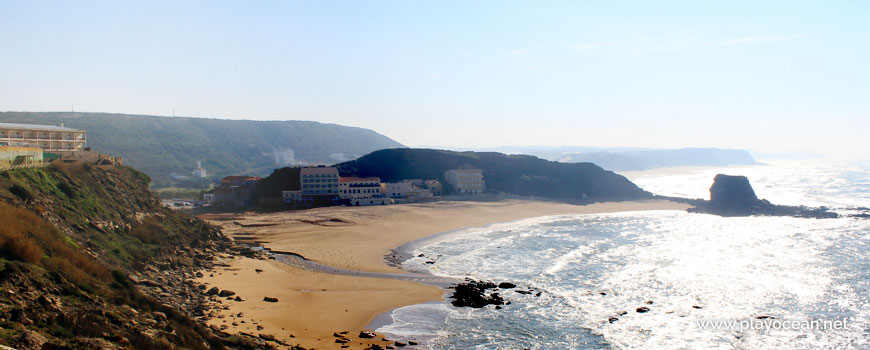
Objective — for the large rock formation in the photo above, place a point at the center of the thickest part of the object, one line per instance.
(734, 196)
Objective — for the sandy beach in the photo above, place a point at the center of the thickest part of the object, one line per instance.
(312, 305)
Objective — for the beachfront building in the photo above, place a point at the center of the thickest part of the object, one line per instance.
(50, 138)
(419, 193)
(291, 197)
(466, 180)
(359, 187)
(434, 186)
(362, 191)
(319, 181)
(235, 190)
(398, 189)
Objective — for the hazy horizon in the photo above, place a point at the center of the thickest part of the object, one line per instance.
(772, 77)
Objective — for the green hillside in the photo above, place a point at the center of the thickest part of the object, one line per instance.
(512, 174)
(162, 145)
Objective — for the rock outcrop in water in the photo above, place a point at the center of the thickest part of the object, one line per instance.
(473, 294)
(734, 196)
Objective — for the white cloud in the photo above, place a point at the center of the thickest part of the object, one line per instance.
(761, 39)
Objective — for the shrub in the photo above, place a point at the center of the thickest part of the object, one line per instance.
(26, 237)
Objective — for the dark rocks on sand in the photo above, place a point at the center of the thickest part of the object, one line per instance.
(270, 299)
(642, 309)
(506, 285)
(411, 342)
(213, 291)
(226, 293)
(367, 335)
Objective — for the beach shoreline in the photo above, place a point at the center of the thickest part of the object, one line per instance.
(313, 305)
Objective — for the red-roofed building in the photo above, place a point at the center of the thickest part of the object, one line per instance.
(359, 187)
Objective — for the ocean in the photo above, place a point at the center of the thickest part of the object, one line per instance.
(708, 282)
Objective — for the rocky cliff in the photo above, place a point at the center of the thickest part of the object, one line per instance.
(89, 259)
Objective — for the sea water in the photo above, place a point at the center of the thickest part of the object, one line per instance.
(594, 272)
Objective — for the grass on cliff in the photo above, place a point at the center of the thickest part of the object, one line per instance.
(26, 237)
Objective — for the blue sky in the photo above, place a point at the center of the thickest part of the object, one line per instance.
(768, 76)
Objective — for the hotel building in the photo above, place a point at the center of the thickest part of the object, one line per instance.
(319, 181)
(466, 181)
(50, 138)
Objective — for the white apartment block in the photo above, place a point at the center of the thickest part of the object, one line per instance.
(319, 181)
(466, 181)
(48, 137)
(359, 187)
(398, 189)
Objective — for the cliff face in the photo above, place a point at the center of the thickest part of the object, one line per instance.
(511, 174)
(90, 259)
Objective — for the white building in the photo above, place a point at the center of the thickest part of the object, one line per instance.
(359, 187)
(466, 181)
(199, 171)
(284, 157)
(319, 181)
(50, 138)
(291, 196)
(398, 189)
(418, 192)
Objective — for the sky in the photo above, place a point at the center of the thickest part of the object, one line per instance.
(768, 76)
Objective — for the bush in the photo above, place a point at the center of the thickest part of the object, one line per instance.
(149, 231)
(26, 237)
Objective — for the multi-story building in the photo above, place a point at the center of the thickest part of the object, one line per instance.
(284, 157)
(398, 189)
(359, 187)
(199, 171)
(419, 192)
(50, 138)
(235, 190)
(291, 197)
(435, 187)
(319, 181)
(466, 181)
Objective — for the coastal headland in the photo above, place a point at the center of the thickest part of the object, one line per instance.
(313, 307)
